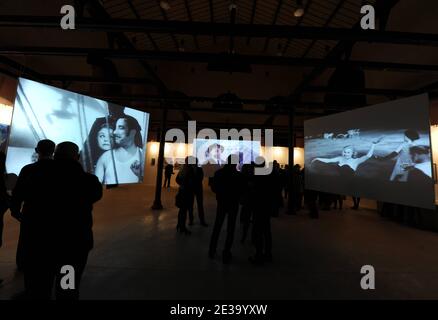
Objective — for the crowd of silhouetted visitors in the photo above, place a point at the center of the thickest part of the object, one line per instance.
(53, 201)
(257, 197)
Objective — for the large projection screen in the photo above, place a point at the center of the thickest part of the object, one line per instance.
(213, 153)
(382, 152)
(112, 139)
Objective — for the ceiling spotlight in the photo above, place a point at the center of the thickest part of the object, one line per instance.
(279, 50)
(299, 11)
(164, 5)
(232, 6)
(181, 47)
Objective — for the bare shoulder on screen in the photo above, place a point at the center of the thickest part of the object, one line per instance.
(105, 157)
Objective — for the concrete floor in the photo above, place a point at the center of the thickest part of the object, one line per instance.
(139, 255)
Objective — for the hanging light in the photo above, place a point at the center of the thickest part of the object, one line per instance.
(164, 5)
(232, 6)
(181, 47)
(279, 50)
(299, 11)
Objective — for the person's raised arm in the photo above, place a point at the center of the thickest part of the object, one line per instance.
(327, 160)
(370, 152)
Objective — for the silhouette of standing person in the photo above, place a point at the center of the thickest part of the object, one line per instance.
(264, 195)
(227, 185)
(298, 186)
(4, 197)
(356, 202)
(54, 200)
(44, 151)
(277, 185)
(168, 172)
(199, 195)
(246, 210)
(185, 196)
(287, 173)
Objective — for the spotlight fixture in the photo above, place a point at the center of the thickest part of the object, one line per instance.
(299, 11)
(164, 5)
(181, 47)
(279, 50)
(232, 6)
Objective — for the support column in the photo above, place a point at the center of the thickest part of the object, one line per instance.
(157, 202)
(291, 144)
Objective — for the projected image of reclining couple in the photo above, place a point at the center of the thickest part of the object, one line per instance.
(411, 160)
(213, 153)
(390, 162)
(112, 138)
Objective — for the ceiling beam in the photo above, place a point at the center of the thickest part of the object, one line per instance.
(142, 82)
(213, 57)
(300, 20)
(189, 16)
(21, 69)
(274, 22)
(137, 15)
(326, 24)
(225, 29)
(253, 12)
(164, 15)
(211, 9)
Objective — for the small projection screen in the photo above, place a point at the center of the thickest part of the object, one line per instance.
(382, 152)
(112, 138)
(213, 153)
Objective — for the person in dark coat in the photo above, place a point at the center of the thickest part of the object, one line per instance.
(227, 184)
(264, 195)
(54, 201)
(199, 195)
(297, 180)
(277, 185)
(168, 172)
(246, 211)
(44, 151)
(185, 196)
(4, 197)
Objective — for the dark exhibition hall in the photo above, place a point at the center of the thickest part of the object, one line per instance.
(223, 156)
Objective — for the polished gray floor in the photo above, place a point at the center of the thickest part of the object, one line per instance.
(139, 255)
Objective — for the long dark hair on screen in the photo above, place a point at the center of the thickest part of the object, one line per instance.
(91, 151)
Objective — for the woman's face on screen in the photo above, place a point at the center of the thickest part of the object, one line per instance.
(347, 153)
(104, 137)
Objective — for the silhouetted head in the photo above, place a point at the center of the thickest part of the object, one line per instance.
(420, 154)
(348, 152)
(260, 162)
(127, 131)
(45, 149)
(411, 135)
(67, 151)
